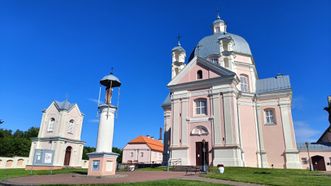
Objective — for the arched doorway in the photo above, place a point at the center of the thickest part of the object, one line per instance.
(67, 156)
(318, 163)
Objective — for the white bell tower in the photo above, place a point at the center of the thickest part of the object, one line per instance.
(178, 59)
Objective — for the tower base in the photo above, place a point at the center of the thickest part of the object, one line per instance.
(102, 163)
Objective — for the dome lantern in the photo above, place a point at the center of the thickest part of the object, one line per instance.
(219, 25)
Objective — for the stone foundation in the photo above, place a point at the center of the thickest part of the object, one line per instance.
(102, 164)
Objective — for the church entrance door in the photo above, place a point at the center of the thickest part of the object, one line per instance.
(201, 153)
(318, 163)
(67, 156)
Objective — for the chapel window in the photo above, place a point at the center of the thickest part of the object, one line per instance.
(269, 116)
(217, 29)
(199, 74)
(176, 56)
(142, 154)
(50, 127)
(71, 126)
(201, 106)
(131, 154)
(214, 60)
(304, 160)
(226, 63)
(244, 83)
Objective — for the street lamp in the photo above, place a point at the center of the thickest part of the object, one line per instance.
(204, 155)
(307, 146)
(168, 160)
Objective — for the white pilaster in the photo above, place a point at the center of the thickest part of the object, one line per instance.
(216, 108)
(229, 119)
(262, 157)
(291, 152)
(184, 115)
(175, 123)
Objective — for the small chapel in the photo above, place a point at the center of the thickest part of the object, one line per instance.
(59, 142)
(218, 110)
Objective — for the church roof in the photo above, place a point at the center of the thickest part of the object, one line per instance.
(326, 136)
(153, 144)
(209, 45)
(64, 105)
(178, 48)
(167, 101)
(314, 147)
(274, 84)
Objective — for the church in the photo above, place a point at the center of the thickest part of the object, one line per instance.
(218, 111)
(59, 142)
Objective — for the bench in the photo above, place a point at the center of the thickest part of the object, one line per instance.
(192, 169)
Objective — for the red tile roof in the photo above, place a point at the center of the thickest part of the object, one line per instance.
(153, 144)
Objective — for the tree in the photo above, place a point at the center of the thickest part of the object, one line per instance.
(118, 151)
(17, 143)
(88, 149)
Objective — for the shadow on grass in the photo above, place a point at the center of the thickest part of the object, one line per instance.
(263, 172)
(80, 172)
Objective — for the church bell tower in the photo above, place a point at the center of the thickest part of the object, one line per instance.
(178, 59)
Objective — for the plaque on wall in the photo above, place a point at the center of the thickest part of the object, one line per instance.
(43, 157)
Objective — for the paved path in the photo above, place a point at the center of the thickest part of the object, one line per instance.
(121, 177)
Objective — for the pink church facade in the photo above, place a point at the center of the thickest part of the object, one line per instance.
(218, 111)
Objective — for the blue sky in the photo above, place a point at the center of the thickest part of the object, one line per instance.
(50, 50)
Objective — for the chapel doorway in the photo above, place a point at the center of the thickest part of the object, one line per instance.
(67, 156)
(318, 163)
(201, 154)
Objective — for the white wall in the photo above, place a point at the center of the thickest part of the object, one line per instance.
(13, 162)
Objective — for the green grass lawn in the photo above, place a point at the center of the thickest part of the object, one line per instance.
(272, 176)
(11, 173)
(170, 182)
(160, 168)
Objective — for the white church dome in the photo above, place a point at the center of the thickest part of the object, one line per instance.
(209, 45)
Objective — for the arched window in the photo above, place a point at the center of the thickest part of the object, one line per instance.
(214, 60)
(50, 127)
(244, 83)
(71, 126)
(201, 106)
(199, 131)
(199, 74)
(269, 116)
(226, 63)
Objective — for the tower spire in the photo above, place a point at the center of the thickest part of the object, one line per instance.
(218, 13)
(178, 39)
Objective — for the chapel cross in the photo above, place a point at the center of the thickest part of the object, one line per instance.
(178, 39)
(198, 49)
(218, 13)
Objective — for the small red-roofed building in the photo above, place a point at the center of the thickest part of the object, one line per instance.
(143, 150)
